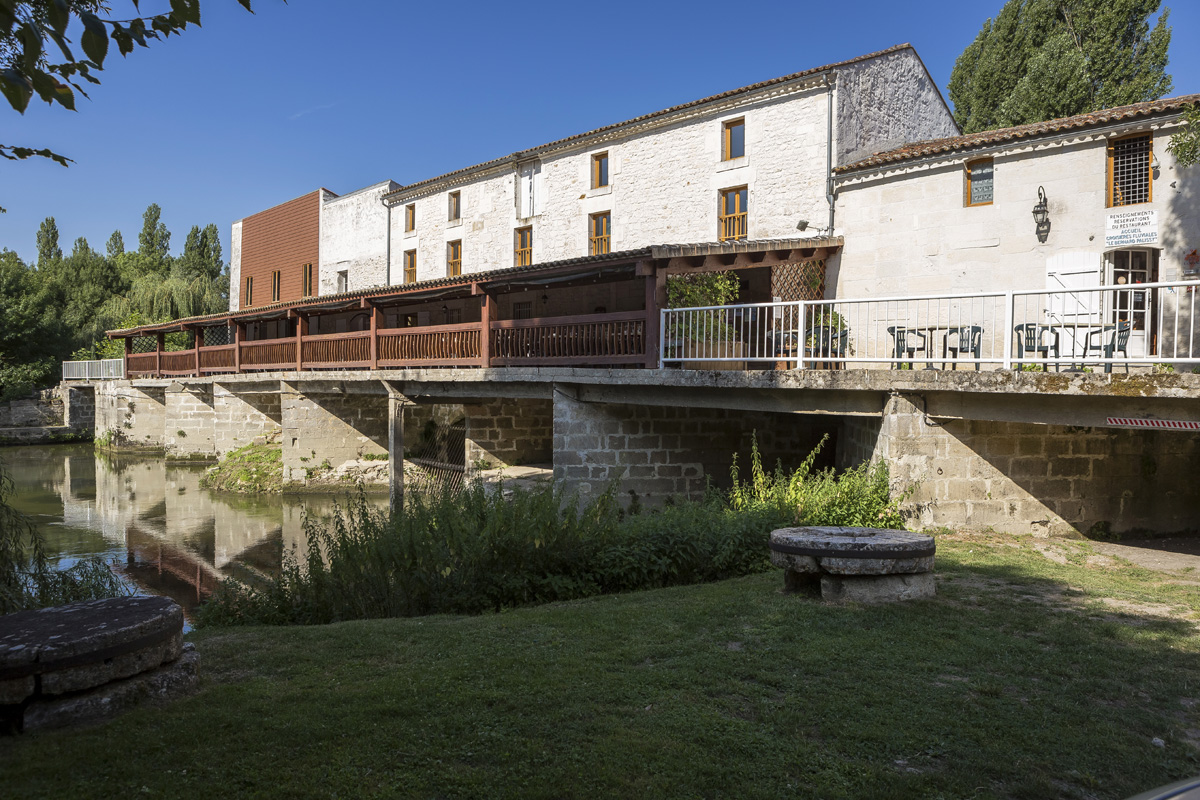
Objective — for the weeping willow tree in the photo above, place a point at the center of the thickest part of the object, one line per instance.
(153, 297)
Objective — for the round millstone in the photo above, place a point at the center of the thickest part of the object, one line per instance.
(78, 646)
(851, 551)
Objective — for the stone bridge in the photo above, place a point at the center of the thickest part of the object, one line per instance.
(1015, 451)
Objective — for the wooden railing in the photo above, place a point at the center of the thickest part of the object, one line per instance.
(219, 358)
(733, 226)
(582, 340)
(141, 363)
(442, 345)
(595, 339)
(336, 350)
(274, 354)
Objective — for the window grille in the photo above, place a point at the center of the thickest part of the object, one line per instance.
(523, 253)
(275, 286)
(732, 217)
(309, 283)
(249, 292)
(523, 309)
(1129, 171)
(410, 266)
(600, 235)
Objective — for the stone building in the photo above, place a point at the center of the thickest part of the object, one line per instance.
(751, 163)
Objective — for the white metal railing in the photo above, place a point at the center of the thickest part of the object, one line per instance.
(104, 370)
(1127, 325)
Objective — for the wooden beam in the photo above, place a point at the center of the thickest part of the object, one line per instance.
(487, 308)
(299, 342)
(237, 347)
(196, 342)
(158, 355)
(375, 320)
(652, 320)
(128, 353)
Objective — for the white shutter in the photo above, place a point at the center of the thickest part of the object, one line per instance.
(1066, 274)
(529, 190)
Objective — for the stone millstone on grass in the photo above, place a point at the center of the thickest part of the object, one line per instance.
(868, 565)
(89, 661)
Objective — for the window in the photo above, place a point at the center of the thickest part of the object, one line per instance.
(453, 316)
(454, 259)
(733, 140)
(599, 233)
(732, 214)
(523, 251)
(249, 292)
(455, 211)
(979, 177)
(410, 266)
(410, 217)
(275, 286)
(599, 170)
(1129, 161)
(343, 281)
(307, 277)
(523, 309)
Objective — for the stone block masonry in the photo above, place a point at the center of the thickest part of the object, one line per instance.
(509, 433)
(1048, 479)
(656, 452)
(323, 432)
(242, 418)
(129, 416)
(189, 425)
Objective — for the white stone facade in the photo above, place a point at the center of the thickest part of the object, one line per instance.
(666, 172)
(235, 266)
(910, 232)
(354, 237)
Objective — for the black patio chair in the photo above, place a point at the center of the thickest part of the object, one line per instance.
(905, 344)
(1033, 337)
(1117, 341)
(826, 342)
(967, 339)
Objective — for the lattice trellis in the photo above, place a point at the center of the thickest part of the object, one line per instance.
(800, 281)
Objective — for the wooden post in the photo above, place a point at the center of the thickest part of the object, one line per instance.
(237, 347)
(375, 320)
(196, 346)
(396, 403)
(128, 353)
(299, 343)
(487, 306)
(652, 332)
(158, 356)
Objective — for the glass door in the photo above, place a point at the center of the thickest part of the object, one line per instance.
(1128, 268)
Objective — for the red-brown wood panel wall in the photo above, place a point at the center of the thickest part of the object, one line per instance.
(283, 238)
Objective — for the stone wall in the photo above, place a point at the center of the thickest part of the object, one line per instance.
(656, 452)
(189, 425)
(354, 238)
(509, 433)
(79, 406)
(1026, 478)
(327, 433)
(39, 409)
(129, 416)
(242, 418)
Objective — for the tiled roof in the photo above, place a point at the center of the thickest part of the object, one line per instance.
(524, 154)
(932, 147)
(274, 310)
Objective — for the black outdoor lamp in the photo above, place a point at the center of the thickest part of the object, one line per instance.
(1041, 216)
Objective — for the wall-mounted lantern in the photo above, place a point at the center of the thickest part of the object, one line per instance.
(1041, 216)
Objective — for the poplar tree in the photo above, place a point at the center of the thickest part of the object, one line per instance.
(1044, 59)
(116, 245)
(49, 253)
(154, 242)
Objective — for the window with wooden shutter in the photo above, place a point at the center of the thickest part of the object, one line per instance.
(523, 247)
(410, 266)
(454, 259)
(733, 139)
(600, 233)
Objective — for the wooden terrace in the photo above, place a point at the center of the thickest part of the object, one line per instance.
(601, 311)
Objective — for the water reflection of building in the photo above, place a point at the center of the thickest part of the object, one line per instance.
(180, 540)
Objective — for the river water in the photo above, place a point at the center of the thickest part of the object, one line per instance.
(163, 533)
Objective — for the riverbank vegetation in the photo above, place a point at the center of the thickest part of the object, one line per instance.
(1041, 669)
(253, 469)
(474, 551)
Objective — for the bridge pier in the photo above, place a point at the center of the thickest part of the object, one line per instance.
(509, 433)
(328, 427)
(189, 424)
(131, 417)
(245, 413)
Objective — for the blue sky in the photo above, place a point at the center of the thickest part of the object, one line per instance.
(252, 110)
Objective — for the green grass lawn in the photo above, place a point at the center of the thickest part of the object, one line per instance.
(1031, 675)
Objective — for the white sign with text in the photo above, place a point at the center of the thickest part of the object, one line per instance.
(1129, 228)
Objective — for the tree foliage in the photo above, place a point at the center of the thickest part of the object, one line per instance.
(36, 55)
(1185, 144)
(62, 308)
(1044, 59)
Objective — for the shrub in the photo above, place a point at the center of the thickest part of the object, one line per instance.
(473, 551)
